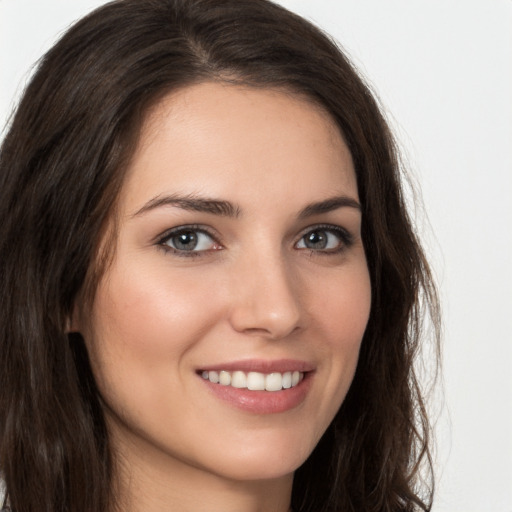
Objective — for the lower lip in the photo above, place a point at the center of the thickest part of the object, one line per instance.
(262, 402)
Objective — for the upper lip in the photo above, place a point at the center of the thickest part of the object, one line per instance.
(262, 366)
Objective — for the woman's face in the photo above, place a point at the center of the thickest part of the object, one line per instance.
(239, 258)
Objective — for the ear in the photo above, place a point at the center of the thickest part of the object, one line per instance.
(73, 322)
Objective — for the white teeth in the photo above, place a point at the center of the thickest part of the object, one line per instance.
(274, 382)
(225, 378)
(255, 381)
(239, 380)
(287, 380)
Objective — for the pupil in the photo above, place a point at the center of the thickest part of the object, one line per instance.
(316, 240)
(185, 241)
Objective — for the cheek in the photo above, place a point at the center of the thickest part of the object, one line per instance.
(343, 308)
(143, 321)
(341, 313)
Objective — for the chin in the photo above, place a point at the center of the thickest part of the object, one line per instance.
(262, 460)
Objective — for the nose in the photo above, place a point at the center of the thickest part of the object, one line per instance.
(266, 298)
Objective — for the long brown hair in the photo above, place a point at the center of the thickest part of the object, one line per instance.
(61, 166)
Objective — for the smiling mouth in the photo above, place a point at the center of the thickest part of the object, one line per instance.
(254, 381)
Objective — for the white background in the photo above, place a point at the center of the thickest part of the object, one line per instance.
(443, 70)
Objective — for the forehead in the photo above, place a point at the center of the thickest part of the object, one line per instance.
(217, 138)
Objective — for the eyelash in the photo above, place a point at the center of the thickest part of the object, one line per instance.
(191, 228)
(346, 240)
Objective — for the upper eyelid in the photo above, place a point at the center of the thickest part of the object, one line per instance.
(168, 233)
(327, 227)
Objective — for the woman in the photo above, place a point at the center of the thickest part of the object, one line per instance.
(210, 285)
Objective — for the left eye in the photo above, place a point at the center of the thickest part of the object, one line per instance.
(321, 240)
(189, 240)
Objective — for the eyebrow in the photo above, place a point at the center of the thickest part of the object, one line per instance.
(227, 209)
(192, 203)
(329, 205)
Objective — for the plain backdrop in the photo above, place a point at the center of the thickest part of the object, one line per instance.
(443, 72)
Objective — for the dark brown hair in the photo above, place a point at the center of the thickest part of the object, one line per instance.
(61, 166)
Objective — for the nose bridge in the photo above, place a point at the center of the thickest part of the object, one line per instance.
(266, 301)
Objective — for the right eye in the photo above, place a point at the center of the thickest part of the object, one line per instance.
(189, 240)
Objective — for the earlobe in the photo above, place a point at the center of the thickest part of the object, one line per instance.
(72, 320)
(69, 327)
